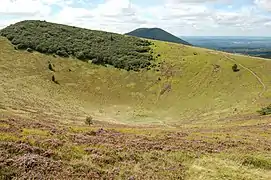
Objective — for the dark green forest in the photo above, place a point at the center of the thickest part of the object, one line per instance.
(103, 48)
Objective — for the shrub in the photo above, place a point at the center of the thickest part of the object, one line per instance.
(50, 66)
(54, 80)
(89, 120)
(21, 46)
(10, 37)
(265, 111)
(29, 50)
(235, 68)
(80, 55)
(101, 47)
(62, 53)
(42, 48)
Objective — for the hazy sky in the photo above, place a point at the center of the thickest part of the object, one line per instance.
(181, 17)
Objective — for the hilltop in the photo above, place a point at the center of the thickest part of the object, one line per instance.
(156, 34)
(188, 115)
(66, 41)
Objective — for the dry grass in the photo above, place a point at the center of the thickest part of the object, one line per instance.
(50, 149)
(203, 125)
(186, 87)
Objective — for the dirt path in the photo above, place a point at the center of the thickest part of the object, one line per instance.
(252, 72)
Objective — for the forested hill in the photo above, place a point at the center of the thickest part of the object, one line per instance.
(157, 34)
(121, 51)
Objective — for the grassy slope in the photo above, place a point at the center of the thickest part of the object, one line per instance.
(198, 92)
(211, 139)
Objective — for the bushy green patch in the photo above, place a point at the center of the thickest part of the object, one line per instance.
(89, 120)
(8, 137)
(265, 111)
(121, 51)
(235, 68)
(214, 168)
(257, 162)
(39, 132)
(70, 152)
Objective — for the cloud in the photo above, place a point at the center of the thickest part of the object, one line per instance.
(112, 15)
(181, 17)
(263, 4)
(24, 7)
(196, 1)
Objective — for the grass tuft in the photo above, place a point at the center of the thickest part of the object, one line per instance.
(257, 162)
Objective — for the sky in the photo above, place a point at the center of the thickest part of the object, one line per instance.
(180, 17)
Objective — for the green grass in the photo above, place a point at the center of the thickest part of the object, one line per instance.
(34, 132)
(8, 137)
(265, 110)
(205, 127)
(108, 94)
(217, 168)
(258, 162)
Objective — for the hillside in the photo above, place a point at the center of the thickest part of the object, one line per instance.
(156, 34)
(186, 116)
(100, 47)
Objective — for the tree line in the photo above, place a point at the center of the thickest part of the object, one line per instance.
(100, 47)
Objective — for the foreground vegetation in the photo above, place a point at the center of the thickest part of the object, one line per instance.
(123, 52)
(51, 149)
(265, 110)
